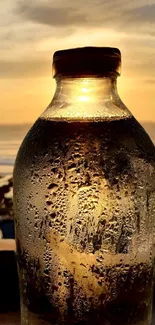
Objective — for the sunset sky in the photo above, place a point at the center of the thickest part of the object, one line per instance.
(31, 31)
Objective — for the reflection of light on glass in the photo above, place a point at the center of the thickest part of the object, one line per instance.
(83, 98)
(85, 82)
(84, 90)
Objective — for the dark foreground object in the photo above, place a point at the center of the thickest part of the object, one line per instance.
(9, 289)
(10, 318)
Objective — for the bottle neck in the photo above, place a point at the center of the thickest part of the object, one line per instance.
(89, 98)
(86, 90)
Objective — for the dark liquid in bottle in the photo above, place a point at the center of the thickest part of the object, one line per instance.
(88, 265)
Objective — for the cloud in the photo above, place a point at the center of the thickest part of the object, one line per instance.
(24, 68)
(20, 34)
(150, 81)
(37, 28)
(28, 23)
(47, 15)
(144, 14)
(114, 14)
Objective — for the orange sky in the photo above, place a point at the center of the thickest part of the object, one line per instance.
(32, 30)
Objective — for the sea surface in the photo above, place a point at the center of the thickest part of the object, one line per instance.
(11, 137)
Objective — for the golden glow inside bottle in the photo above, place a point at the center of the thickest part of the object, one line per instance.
(84, 202)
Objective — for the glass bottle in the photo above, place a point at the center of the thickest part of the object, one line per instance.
(84, 202)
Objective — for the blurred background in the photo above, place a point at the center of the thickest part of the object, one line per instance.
(31, 31)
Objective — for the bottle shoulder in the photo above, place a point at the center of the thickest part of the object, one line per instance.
(46, 135)
(86, 108)
(111, 149)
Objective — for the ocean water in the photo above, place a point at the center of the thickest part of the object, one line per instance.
(11, 137)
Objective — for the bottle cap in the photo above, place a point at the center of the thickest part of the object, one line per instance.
(87, 61)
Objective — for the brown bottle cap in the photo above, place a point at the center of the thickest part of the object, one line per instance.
(87, 61)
